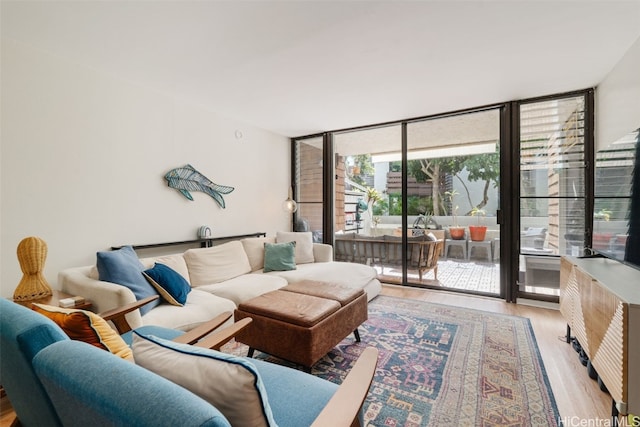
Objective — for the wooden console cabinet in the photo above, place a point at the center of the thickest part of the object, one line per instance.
(600, 300)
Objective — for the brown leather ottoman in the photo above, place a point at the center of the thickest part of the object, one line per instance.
(303, 321)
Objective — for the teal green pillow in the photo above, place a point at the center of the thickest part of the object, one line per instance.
(279, 256)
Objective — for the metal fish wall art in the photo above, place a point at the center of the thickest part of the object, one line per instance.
(187, 178)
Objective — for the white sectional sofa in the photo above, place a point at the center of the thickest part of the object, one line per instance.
(221, 277)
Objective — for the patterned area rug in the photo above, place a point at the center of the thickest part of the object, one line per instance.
(445, 366)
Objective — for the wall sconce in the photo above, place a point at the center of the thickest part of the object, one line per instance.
(290, 205)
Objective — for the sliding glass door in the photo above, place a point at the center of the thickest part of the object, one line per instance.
(367, 193)
(379, 193)
(453, 192)
(395, 203)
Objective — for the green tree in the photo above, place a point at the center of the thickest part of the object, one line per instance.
(434, 169)
(362, 162)
(484, 167)
(381, 208)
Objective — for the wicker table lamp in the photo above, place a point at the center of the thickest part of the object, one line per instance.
(32, 253)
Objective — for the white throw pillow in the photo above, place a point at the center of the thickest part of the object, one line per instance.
(254, 247)
(229, 383)
(217, 264)
(304, 244)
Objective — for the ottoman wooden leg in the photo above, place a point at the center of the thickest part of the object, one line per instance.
(356, 333)
(250, 353)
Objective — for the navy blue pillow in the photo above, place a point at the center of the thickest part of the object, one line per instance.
(124, 268)
(170, 284)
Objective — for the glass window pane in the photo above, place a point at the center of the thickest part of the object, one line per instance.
(552, 176)
(614, 168)
(309, 156)
(552, 148)
(366, 182)
(612, 202)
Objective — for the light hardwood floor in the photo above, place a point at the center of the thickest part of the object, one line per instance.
(579, 398)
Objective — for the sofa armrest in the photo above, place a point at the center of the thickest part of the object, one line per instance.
(196, 334)
(104, 296)
(118, 315)
(345, 405)
(217, 339)
(322, 252)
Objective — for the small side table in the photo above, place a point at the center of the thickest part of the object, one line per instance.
(449, 243)
(486, 244)
(54, 300)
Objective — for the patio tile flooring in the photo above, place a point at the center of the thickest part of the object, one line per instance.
(474, 276)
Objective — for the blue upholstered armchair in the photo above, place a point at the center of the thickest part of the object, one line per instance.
(54, 381)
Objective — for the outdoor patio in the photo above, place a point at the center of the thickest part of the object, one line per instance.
(472, 275)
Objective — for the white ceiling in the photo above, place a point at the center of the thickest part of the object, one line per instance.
(300, 67)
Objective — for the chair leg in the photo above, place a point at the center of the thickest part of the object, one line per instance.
(356, 334)
(250, 353)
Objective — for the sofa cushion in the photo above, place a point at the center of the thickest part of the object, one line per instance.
(176, 262)
(279, 256)
(217, 264)
(304, 244)
(86, 326)
(200, 307)
(231, 384)
(254, 247)
(245, 287)
(170, 285)
(343, 273)
(124, 268)
(291, 388)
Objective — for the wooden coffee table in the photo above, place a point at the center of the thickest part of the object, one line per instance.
(302, 322)
(54, 299)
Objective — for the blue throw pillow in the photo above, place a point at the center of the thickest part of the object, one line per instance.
(279, 256)
(124, 268)
(169, 284)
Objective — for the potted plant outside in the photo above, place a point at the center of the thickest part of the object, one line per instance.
(456, 232)
(478, 232)
(373, 197)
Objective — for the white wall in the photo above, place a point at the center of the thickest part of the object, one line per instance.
(618, 99)
(83, 157)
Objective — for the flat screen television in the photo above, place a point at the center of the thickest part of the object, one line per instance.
(616, 215)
